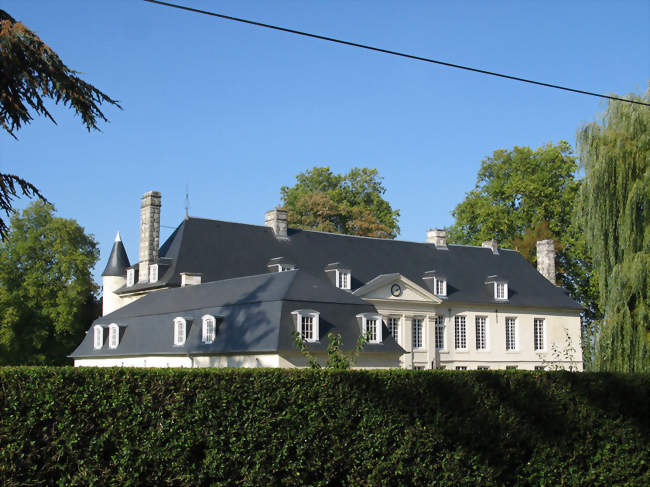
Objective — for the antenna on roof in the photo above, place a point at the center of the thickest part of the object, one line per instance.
(187, 202)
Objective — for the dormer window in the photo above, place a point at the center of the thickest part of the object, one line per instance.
(130, 277)
(371, 326)
(500, 287)
(339, 275)
(113, 335)
(180, 327)
(500, 290)
(98, 336)
(343, 279)
(440, 286)
(209, 329)
(437, 282)
(153, 273)
(280, 264)
(307, 324)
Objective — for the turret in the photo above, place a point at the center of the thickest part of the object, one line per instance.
(114, 276)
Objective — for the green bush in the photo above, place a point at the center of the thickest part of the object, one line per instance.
(93, 426)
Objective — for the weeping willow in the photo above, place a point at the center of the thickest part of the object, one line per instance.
(614, 211)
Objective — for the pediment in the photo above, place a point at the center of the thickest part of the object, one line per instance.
(383, 287)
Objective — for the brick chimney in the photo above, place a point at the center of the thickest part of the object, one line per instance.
(149, 233)
(438, 237)
(277, 220)
(546, 259)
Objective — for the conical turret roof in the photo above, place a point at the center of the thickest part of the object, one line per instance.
(118, 260)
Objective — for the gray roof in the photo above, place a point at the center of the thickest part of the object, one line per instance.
(254, 315)
(118, 261)
(223, 250)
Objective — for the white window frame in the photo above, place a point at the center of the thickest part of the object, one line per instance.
(458, 343)
(180, 330)
(461, 367)
(440, 331)
(98, 337)
(343, 279)
(307, 313)
(486, 333)
(378, 319)
(512, 341)
(130, 277)
(208, 328)
(153, 273)
(497, 287)
(420, 323)
(394, 320)
(113, 336)
(440, 286)
(483, 367)
(536, 322)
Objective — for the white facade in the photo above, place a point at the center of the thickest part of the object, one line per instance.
(561, 331)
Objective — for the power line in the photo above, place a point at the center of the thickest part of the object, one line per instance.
(394, 53)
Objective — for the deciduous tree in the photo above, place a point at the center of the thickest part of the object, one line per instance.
(524, 195)
(47, 294)
(614, 211)
(352, 203)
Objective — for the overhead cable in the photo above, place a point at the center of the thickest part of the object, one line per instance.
(394, 53)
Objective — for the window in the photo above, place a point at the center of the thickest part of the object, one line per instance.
(461, 367)
(343, 279)
(440, 286)
(179, 331)
(461, 333)
(417, 332)
(306, 321)
(130, 277)
(393, 327)
(538, 329)
(98, 336)
(511, 334)
(371, 327)
(418, 367)
(113, 335)
(500, 290)
(441, 367)
(482, 367)
(209, 329)
(540, 367)
(153, 272)
(440, 332)
(511, 367)
(481, 333)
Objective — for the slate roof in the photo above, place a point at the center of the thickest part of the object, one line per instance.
(224, 250)
(118, 261)
(253, 316)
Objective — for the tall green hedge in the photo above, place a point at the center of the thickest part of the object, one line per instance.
(66, 426)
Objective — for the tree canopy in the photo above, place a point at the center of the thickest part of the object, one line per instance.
(30, 72)
(524, 195)
(47, 294)
(614, 212)
(349, 203)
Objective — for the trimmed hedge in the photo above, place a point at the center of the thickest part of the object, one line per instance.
(93, 426)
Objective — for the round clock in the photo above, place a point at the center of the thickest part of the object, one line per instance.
(396, 290)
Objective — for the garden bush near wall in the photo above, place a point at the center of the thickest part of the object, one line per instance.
(66, 426)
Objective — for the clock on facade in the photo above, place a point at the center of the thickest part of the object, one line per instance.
(396, 290)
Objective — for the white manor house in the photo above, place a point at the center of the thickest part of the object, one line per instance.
(223, 294)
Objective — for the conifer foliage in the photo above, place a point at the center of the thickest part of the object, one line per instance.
(30, 72)
(614, 210)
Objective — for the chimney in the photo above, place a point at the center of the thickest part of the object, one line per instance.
(546, 259)
(277, 220)
(492, 245)
(149, 232)
(438, 237)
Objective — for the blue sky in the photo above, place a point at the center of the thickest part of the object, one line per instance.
(235, 112)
